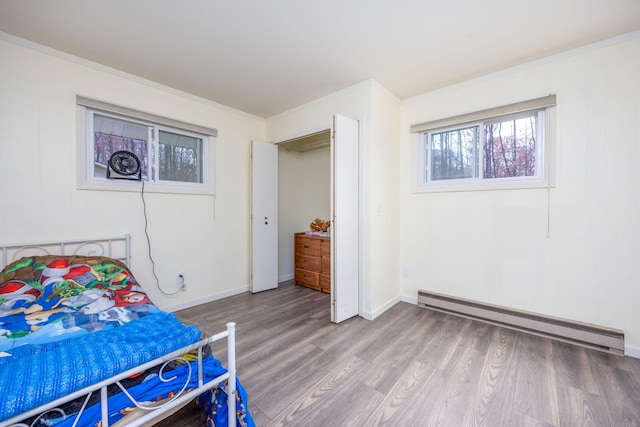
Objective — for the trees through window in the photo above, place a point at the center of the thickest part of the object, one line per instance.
(503, 148)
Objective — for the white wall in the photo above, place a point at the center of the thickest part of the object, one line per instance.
(206, 238)
(493, 246)
(382, 200)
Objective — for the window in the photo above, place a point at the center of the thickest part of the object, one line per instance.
(505, 147)
(174, 156)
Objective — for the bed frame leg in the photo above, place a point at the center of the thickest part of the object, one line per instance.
(231, 361)
(104, 406)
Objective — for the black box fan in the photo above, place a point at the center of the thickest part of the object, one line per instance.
(124, 165)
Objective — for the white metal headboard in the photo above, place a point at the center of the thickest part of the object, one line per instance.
(113, 247)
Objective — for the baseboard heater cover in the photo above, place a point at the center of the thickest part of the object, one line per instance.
(583, 334)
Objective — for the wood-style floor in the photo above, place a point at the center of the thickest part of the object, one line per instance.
(409, 367)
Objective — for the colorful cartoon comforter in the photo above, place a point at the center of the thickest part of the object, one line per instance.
(70, 322)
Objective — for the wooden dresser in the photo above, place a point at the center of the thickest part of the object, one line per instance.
(313, 261)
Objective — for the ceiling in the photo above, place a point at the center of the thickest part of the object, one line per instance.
(265, 57)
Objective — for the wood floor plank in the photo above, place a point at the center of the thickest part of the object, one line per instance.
(323, 396)
(623, 393)
(403, 404)
(454, 387)
(492, 403)
(447, 336)
(341, 335)
(287, 338)
(393, 357)
(536, 392)
(523, 420)
(478, 336)
(297, 373)
(281, 372)
(583, 408)
(632, 365)
(574, 368)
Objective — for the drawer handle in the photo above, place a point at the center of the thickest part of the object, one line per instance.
(305, 246)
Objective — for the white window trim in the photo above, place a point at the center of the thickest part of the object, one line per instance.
(84, 154)
(546, 180)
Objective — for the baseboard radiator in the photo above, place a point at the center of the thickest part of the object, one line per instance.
(583, 334)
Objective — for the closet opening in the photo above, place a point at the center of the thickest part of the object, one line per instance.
(304, 210)
(308, 183)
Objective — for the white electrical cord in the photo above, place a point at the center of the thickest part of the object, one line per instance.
(153, 264)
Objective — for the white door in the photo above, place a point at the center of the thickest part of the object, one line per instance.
(264, 216)
(344, 214)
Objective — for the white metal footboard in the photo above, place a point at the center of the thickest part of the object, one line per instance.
(160, 409)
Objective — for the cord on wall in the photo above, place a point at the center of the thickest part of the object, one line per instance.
(153, 264)
(548, 211)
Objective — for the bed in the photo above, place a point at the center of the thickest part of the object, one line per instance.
(81, 344)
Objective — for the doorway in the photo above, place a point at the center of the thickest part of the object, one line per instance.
(304, 191)
(311, 182)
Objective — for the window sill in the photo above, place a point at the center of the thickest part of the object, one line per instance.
(136, 186)
(481, 186)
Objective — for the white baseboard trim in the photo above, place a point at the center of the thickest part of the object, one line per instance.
(286, 277)
(370, 315)
(366, 315)
(632, 352)
(378, 311)
(214, 297)
(408, 299)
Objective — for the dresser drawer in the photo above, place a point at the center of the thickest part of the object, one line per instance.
(307, 246)
(325, 283)
(325, 248)
(325, 265)
(308, 278)
(307, 262)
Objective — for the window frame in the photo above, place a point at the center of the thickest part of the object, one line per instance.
(86, 108)
(545, 152)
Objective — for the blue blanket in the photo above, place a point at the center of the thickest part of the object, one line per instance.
(34, 375)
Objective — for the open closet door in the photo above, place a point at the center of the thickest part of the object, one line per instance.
(344, 215)
(264, 216)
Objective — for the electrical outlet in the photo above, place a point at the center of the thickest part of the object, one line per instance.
(405, 271)
(180, 281)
